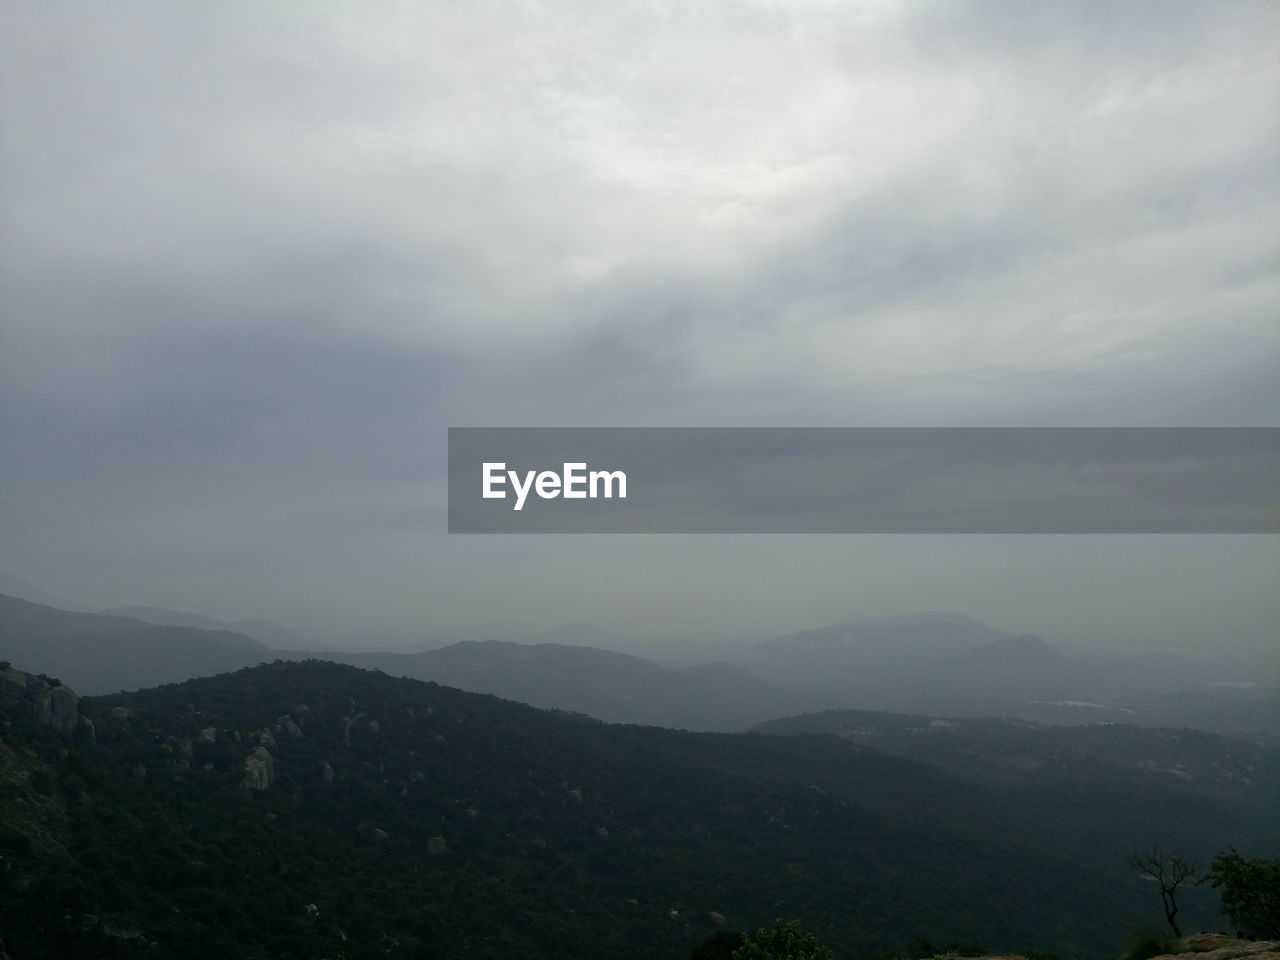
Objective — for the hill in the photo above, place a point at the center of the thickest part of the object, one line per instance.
(615, 687)
(949, 664)
(1063, 761)
(309, 809)
(264, 631)
(102, 654)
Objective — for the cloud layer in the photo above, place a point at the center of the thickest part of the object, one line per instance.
(256, 259)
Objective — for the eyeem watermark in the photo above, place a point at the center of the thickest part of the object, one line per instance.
(573, 482)
(864, 480)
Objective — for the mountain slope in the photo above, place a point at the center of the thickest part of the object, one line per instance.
(616, 687)
(314, 809)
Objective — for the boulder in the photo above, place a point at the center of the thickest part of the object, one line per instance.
(259, 770)
(64, 713)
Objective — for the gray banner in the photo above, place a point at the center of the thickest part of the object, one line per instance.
(855, 480)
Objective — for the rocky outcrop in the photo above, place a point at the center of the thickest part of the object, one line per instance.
(51, 704)
(259, 770)
(64, 709)
(1217, 946)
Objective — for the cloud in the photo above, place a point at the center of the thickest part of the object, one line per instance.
(254, 261)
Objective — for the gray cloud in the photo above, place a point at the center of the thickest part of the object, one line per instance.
(255, 261)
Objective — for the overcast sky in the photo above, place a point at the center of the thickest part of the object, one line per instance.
(258, 257)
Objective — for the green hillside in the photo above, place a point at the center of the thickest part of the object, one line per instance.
(316, 810)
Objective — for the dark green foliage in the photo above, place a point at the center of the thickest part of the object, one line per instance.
(785, 941)
(1250, 892)
(1144, 944)
(423, 821)
(719, 946)
(925, 948)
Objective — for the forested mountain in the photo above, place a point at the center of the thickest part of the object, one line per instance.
(308, 809)
(616, 687)
(1017, 754)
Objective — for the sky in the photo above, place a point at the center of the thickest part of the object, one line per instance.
(255, 259)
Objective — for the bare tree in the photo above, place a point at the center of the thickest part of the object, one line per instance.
(1170, 871)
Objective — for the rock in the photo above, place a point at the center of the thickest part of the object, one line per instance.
(64, 709)
(718, 919)
(208, 735)
(39, 701)
(326, 773)
(266, 739)
(90, 730)
(1217, 946)
(602, 831)
(51, 704)
(312, 909)
(13, 684)
(380, 834)
(259, 770)
(417, 776)
(375, 726)
(288, 726)
(121, 713)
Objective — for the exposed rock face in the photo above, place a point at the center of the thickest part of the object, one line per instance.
(13, 684)
(259, 770)
(287, 725)
(54, 706)
(64, 708)
(209, 735)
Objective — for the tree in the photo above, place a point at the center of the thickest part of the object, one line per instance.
(1170, 871)
(783, 942)
(1250, 892)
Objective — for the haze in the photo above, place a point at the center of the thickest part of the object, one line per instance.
(257, 259)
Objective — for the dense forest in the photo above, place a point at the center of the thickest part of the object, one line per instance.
(310, 809)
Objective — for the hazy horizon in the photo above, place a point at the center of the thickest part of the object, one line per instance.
(256, 261)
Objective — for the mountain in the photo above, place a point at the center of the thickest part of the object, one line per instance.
(951, 664)
(603, 684)
(923, 663)
(100, 654)
(309, 809)
(1010, 753)
(15, 586)
(264, 631)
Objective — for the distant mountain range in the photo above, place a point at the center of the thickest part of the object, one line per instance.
(928, 663)
(100, 654)
(264, 631)
(1040, 758)
(311, 809)
(610, 686)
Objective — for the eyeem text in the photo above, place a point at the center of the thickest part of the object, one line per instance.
(575, 482)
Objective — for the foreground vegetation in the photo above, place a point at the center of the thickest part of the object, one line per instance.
(314, 810)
